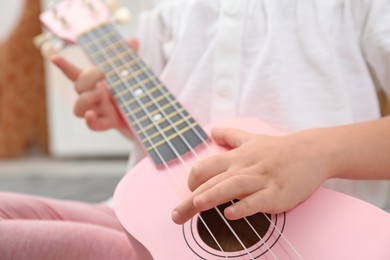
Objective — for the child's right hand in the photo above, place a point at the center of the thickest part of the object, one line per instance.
(94, 103)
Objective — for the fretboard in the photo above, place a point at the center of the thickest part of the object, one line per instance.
(164, 127)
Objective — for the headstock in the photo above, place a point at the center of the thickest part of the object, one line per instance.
(67, 19)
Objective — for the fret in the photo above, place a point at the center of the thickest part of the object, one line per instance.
(97, 54)
(124, 66)
(143, 82)
(147, 103)
(163, 126)
(164, 148)
(125, 74)
(115, 44)
(98, 38)
(106, 62)
(133, 75)
(138, 72)
(147, 110)
(149, 129)
(136, 84)
(166, 129)
(132, 85)
(127, 65)
(162, 97)
(150, 116)
(152, 111)
(96, 57)
(176, 134)
(162, 108)
(155, 128)
(99, 60)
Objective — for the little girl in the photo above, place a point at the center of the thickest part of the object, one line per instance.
(308, 68)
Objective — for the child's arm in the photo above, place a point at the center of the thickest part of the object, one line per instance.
(274, 174)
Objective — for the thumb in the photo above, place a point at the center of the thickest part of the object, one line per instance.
(229, 137)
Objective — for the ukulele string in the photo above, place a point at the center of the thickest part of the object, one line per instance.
(168, 168)
(217, 209)
(135, 57)
(184, 163)
(265, 215)
(285, 239)
(187, 169)
(120, 41)
(269, 220)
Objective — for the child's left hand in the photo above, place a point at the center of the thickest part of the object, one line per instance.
(266, 173)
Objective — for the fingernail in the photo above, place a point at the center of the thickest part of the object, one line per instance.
(175, 216)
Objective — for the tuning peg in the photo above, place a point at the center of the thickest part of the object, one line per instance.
(122, 15)
(113, 5)
(48, 49)
(48, 44)
(40, 39)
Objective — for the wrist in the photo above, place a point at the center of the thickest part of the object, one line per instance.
(359, 151)
(325, 149)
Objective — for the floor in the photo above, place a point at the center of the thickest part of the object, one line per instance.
(87, 179)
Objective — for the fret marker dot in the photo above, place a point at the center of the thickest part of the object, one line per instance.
(157, 117)
(124, 73)
(138, 92)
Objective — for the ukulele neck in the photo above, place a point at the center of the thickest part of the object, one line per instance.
(166, 130)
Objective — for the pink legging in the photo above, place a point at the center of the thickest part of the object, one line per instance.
(40, 228)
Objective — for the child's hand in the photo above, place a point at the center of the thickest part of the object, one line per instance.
(95, 103)
(267, 174)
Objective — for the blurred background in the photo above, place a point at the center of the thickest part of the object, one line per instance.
(44, 148)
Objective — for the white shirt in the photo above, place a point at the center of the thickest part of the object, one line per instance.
(295, 64)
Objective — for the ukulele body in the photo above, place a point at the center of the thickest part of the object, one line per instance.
(328, 225)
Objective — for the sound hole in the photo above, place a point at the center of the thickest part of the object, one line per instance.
(223, 234)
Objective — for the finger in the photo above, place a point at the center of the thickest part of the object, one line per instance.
(206, 169)
(88, 79)
(187, 209)
(86, 101)
(98, 123)
(134, 44)
(238, 186)
(71, 71)
(183, 213)
(262, 201)
(229, 137)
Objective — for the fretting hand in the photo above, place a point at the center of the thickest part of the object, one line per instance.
(94, 103)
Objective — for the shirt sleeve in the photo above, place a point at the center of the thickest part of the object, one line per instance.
(376, 42)
(155, 33)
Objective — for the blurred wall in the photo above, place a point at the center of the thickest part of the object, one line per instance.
(22, 95)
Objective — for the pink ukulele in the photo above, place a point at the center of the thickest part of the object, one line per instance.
(328, 225)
